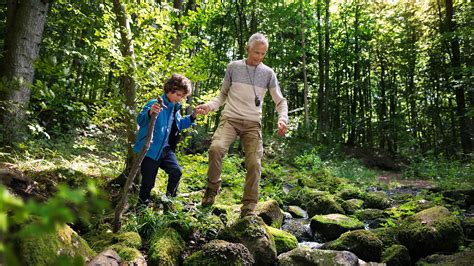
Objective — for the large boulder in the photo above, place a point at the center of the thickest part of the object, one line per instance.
(284, 241)
(220, 252)
(306, 256)
(350, 206)
(430, 231)
(363, 243)
(468, 227)
(331, 226)
(297, 212)
(463, 258)
(107, 257)
(166, 246)
(252, 232)
(376, 200)
(44, 249)
(396, 255)
(270, 212)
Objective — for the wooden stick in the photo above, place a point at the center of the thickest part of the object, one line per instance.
(119, 209)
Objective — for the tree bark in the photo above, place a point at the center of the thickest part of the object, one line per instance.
(464, 121)
(128, 80)
(24, 31)
(305, 76)
(321, 91)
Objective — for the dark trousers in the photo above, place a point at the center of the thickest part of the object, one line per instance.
(149, 169)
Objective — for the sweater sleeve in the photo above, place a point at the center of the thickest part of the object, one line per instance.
(222, 97)
(277, 97)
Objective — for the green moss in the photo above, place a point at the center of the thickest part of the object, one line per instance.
(331, 226)
(284, 241)
(363, 243)
(46, 248)
(376, 200)
(352, 205)
(348, 192)
(129, 239)
(396, 255)
(463, 258)
(429, 231)
(389, 236)
(219, 252)
(166, 247)
(370, 214)
(126, 253)
(322, 205)
(468, 226)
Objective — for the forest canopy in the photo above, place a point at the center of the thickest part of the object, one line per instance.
(390, 75)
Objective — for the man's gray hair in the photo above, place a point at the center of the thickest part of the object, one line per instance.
(257, 37)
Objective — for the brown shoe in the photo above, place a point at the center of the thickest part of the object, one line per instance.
(209, 197)
(247, 212)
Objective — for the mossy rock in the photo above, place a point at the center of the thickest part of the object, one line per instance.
(128, 254)
(322, 180)
(323, 205)
(297, 212)
(430, 231)
(363, 243)
(44, 249)
(299, 196)
(389, 236)
(100, 239)
(370, 214)
(468, 227)
(128, 239)
(284, 241)
(349, 192)
(166, 247)
(270, 212)
(396, 255)
(220, 252)
(352, 205)
(251, 231)
(306, 256)
(376, 200)
(331, 226)
(463, 258)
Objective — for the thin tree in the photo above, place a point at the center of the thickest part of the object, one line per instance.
(128, 80)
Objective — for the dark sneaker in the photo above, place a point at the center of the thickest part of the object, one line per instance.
(209, 197)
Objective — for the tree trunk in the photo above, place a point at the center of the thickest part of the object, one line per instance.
(464, 121)
(305, 77)
(356, 91)
(321, 92)
(24, 31)
(128, 80)
(328, 92)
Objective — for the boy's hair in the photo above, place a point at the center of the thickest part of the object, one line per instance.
(178, 82)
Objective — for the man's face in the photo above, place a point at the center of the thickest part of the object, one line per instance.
(176, 96)
(256, 53)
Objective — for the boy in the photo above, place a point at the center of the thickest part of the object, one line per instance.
(165, 136)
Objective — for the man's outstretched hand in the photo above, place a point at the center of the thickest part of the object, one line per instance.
(202, 109)
(282, 128)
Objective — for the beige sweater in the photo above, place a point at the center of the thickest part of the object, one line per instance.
(238, 95)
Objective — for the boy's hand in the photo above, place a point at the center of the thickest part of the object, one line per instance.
(155, 108)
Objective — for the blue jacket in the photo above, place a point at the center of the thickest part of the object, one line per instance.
(162, 128)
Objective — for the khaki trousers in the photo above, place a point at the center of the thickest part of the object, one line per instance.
(250, 133)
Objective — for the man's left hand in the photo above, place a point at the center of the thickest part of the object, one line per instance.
(282, 128)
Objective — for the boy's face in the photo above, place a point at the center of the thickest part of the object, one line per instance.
(175, 96)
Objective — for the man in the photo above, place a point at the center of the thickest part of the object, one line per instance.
(168, 124)
(243, 89)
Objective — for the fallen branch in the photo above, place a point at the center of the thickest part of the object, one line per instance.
(119, 209)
